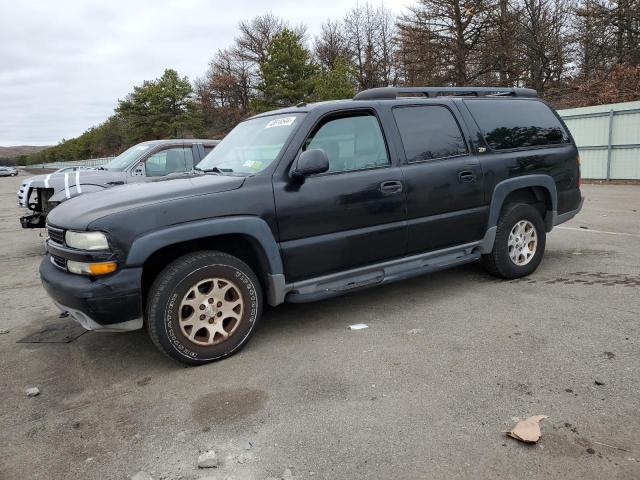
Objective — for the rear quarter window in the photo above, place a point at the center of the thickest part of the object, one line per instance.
(509, 124)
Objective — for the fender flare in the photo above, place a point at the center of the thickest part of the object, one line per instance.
(500, 193)
(144, 246)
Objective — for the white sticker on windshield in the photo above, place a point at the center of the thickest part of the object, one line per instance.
(281, 122)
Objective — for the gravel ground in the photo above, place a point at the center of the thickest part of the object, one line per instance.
(449, 362)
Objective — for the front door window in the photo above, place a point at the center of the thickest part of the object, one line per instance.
(352, 142)
(171, 160)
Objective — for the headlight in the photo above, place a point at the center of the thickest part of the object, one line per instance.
(95, 269)
(87, 240)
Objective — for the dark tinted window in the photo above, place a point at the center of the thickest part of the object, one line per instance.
(517, 124)
(429, 132)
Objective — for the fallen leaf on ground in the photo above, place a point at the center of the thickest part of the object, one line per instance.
(358, 326)
(527, 430)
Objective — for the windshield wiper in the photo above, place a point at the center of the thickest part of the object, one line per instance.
(219, 171)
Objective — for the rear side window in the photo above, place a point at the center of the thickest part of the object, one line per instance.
(508, 124)
(429, 132)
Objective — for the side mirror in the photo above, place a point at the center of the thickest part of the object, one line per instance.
(311, 162)
(138, 171)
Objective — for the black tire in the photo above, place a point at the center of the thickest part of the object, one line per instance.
(180, 278)
(499, 262)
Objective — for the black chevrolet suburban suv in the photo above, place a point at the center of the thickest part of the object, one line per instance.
(313, 201)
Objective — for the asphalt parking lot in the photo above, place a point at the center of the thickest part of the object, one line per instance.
(449, 362)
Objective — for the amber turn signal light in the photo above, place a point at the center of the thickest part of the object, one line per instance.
(102, 268)
(95, 269)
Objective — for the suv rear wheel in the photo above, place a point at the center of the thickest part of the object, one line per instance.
(203, 307)
(519, 244)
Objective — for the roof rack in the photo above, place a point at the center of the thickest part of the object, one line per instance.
(391, 93)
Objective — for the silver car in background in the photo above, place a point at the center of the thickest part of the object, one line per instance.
(8, 172)
(145, 162)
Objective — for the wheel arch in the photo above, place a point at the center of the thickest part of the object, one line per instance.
(247, 238)
(542, 187)
(539, 188)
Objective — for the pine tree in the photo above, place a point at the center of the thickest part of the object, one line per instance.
(287, 73)
(160, 108)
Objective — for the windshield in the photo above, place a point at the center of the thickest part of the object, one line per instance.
(126, 158)
(252, 146)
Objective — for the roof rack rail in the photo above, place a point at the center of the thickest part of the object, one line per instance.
(391, 93)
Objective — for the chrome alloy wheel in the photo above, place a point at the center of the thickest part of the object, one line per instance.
(523, 242)
(211, 311)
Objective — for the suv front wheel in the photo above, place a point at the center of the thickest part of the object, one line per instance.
(519, 244)
(203, 307)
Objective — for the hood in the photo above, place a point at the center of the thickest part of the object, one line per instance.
(36, 178)
(60, 181)
(77, 213)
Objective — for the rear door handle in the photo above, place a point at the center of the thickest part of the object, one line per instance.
(466, 176)
(391, 187)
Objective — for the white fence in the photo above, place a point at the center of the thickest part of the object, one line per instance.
(608, 138)
(91, 162)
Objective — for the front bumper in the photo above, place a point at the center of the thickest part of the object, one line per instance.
(110, 303)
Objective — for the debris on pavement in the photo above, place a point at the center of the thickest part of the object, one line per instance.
(208, 459)
(4, 331)
(358, 326)
(32, 392)
(287, 475)
(598, 382)
(611, 446)
(415, 331)
(527, 430)
(610, 355)
(142, 475)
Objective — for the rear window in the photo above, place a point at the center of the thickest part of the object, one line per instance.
(508, 124)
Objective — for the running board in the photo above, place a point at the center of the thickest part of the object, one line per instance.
(340, 283)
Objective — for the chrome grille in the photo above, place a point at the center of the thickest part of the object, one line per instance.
(55, 235)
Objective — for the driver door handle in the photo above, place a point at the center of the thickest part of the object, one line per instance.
(466, 176)
(391, 187)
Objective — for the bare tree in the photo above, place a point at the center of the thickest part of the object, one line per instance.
(256, 36)
(456, 33)
(369, 33)
(609, 34)
(545, 40)
(330, 45)
(225, 91)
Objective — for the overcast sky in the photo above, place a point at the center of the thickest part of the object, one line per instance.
(65, 63)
